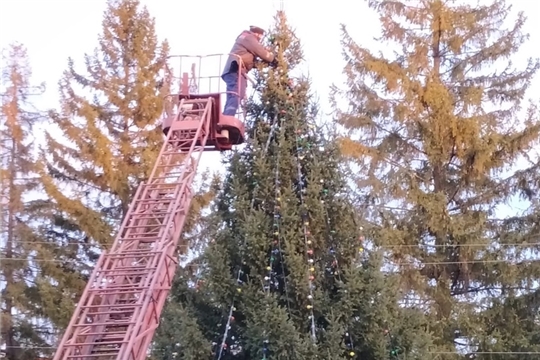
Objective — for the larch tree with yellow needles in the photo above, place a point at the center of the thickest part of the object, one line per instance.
(104, 138)
(108, 134)
(442, 138)
(24, 316)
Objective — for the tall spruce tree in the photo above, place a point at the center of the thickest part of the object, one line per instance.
(21, 319)
(283, 276)
(437, 131)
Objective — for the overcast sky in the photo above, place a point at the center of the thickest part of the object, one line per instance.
(54, 30)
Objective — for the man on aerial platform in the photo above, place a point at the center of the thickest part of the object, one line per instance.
(247, 46)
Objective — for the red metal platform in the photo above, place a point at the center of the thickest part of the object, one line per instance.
(121, 305)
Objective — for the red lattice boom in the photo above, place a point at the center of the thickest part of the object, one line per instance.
(120, 307)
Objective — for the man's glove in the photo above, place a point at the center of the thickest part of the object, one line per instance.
(274, 63)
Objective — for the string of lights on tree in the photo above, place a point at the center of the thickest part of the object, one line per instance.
(301, 150)
(270, 280)
(230, 317)
(335, 270)
(303, 146)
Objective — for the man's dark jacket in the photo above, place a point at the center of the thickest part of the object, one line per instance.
(247, 47)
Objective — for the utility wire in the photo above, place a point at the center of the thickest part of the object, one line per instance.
(387, 246)
(431, 352)
(403, 263)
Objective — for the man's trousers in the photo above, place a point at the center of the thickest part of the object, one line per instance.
(236, 91)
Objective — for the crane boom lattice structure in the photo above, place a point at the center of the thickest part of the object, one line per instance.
(121, 305)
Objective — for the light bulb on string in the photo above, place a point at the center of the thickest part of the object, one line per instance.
(245, 247)
(334, 266)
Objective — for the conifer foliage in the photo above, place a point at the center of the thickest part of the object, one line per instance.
(284, 276)
(437, 135)
(102, 142)
(109, 118)
(20, 301)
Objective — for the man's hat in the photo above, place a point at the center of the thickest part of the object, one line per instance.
(256, 30)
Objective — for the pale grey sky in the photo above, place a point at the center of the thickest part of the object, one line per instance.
(53, 30)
